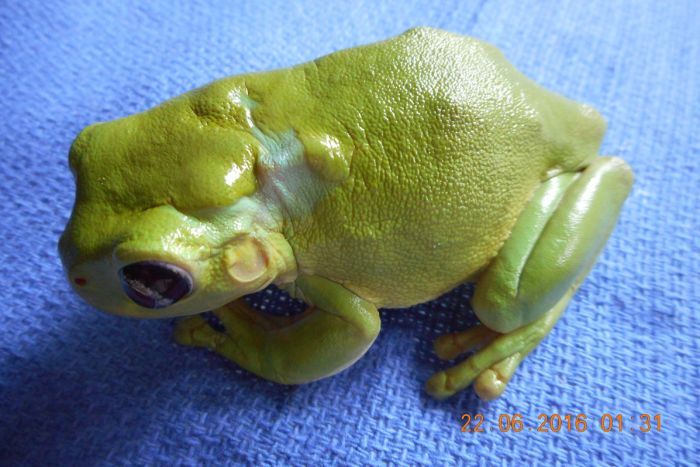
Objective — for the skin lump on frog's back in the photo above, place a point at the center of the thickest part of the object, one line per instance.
(288, 182)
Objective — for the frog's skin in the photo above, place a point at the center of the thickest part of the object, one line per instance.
(379, 176)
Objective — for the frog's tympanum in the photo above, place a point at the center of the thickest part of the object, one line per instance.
(380, 176)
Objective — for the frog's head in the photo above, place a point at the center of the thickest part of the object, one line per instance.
(168, 220)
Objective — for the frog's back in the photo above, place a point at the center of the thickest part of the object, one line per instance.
(446, 142)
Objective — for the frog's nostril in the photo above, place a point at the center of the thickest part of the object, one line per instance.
(81, 281)
(155, 284)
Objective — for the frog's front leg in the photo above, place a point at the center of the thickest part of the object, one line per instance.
(528, 285)
(335, 331)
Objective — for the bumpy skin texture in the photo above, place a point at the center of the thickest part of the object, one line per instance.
(379, 176)
(445, 142)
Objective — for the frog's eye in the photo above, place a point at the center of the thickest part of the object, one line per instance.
(155, 284)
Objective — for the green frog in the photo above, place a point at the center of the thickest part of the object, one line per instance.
(381, 176)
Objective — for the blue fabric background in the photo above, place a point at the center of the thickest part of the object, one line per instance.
(81, 387)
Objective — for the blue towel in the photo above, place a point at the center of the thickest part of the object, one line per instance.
(79, 387)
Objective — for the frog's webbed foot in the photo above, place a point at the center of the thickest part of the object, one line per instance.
(526, 288)
(491, 367)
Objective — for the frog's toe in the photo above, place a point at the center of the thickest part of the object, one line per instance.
(194, 331)
(437, 386)
(491, 367)
(454, 344)
(491, 383)
(448, 382)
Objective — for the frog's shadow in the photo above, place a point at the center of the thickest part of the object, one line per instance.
(104, 374)
(63, 384)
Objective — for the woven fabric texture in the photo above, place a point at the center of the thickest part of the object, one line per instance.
(79, 387)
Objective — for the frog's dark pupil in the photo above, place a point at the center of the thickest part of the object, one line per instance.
(155, 284)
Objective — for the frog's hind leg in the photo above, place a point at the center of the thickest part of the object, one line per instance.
(528, 285)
